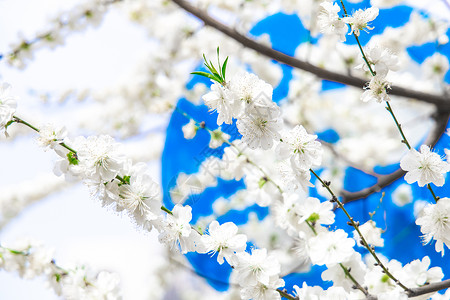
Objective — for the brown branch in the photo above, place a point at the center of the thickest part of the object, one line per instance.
(441, 102)
(429, 288)
(441, 119)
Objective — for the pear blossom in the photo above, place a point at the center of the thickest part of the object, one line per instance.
(371, 233)
(360, 19)
(316, 212)
(309, 292)
(355, 267)
(176, 229)
(382, 61)
(8, 104)
(424, 167)
(330, 247)
(329, 21)
(257, 267)
(302, 148)
(262, 291)
(218, 137)
(252, 93)
(222, 100)
(261, 189)
(259, 131)
(141, 196)
(402, 195)
(436, 66)
(418, 273)
(50, 135)
(376, 90)
(434, 223)
(376, 280)
(190, 130)
(294, 177)
(224, 240)
(100, 158)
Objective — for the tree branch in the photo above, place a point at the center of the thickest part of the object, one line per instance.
(429, 288)
(441, 119)
(441, 102)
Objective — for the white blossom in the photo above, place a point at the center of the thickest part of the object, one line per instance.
(294, 177)
(402, 195)
(424, 167)
(371, 233)
(258, 131)
(381, 60)
(376, 90)
(302, 148)
(329, 21)
(224, 240)
(254, 268)
(189, 130)
(262, 291)
(330, 247)
(141, 196)
(355, 267)
(418, 273)
(436, 66)
(316, 212)
(8, 104)
(50, 135)
(100, 158)
(434, 223)
(361, 18)
(222, 100)
(218, 137)
(176, 229)
(253, 95)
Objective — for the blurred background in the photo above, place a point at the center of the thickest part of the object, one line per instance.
(104, 64)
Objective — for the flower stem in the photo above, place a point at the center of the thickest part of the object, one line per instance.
(19, 120)
(356, 226)
(399, 126)
(436, 198)
(356, 283)
(284, 294)
(388, 106)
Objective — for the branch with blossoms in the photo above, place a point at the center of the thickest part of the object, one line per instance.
(440, 102)
(79, 19)
(286, 156)
(30, 259)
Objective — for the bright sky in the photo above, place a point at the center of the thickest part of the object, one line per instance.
(72, 223)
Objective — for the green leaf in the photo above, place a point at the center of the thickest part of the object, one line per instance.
(208, 75)
(224, 68)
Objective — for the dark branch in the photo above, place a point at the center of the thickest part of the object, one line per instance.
(442, 102)
(441, 119)
(429, 288)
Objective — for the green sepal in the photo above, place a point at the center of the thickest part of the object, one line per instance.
(72, 158)
(262, 182)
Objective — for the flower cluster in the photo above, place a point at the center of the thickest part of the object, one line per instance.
(30, 260)
(249, 100)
